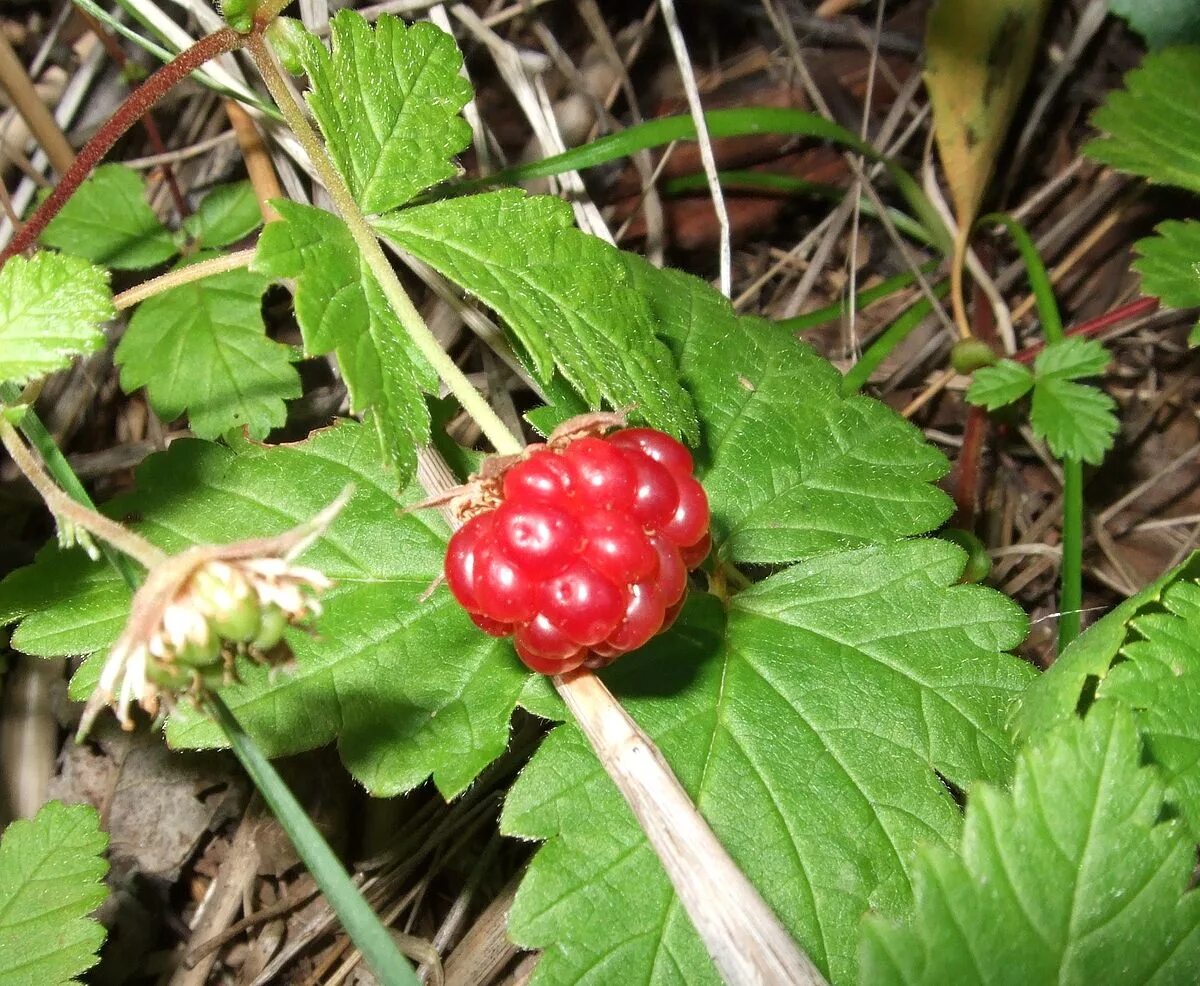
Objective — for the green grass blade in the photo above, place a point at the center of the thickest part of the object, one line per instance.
(863, 299)
(858, 375)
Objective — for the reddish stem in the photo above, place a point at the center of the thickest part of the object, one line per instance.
(117, 54)
(1094, 326)
(133, 109)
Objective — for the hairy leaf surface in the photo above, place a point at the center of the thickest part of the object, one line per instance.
(388, 101)
(810, 726)
(1070, 878)
(52, 870)
(564, 294)
(108, 222)
(51, 307)
(341, 309)
(203, 348)
(407, 687)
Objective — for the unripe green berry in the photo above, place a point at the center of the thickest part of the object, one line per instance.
(240, 624)
(200, 655)
(274, 622)
(979, 562)
(239, 14)
(968, 355)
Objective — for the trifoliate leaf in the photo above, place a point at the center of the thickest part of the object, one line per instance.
(227, 214)
(1169, 263)
(1161, 22)
(792, 467)
(564, 294)
(108, 222)
(202, 348)
(1070, 878)
(995, 386)
(1149, 133)
(810, 724)
(1072, 358)
(407, 686)
(51, 878)
(1076, 420)
(341, 309)
(388, 102)
(51, 307)
(1144, 655)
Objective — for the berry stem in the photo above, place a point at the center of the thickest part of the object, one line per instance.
(183, 275)
(503, 441)
(62, 506)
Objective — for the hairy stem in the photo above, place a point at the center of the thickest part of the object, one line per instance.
(183, 275)
(62, 506)
(503, 441)
(133, 109)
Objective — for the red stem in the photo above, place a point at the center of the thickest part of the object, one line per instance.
(1094, 326)
(133, 109)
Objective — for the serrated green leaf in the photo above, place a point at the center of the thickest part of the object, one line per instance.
(51, 878)
(108, 222)
(1148, 123)
(341, 309)
(792, 467)
(388, 102)
(1069, 879)
(807, 724)
(406, 685)
(1072, 358)
(202, 348)
(51, 307)
(564, 294)
(1161, 22)
(996, 386)
(1169, 263)
(1075, 419)
(227, 214)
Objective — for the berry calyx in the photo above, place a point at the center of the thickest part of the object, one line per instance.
(580, 549)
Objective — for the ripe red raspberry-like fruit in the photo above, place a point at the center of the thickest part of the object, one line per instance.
(580, 548)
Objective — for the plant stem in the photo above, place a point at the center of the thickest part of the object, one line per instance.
(503, 441)
(133, 109)
(61, 505)
(183, 275)
(360, 921)
(1070, 600)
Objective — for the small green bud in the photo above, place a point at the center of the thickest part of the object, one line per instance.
(241, 623)
(239, 14)
(274, 622)
(968, 355)
(288, 38)
(979, 562)
(200, 655)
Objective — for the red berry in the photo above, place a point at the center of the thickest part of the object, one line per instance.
(656, 497)
(601, 476)
(660, 447)
(545, 648)
(460, 560)
(582, 603)
(690, 521)
(540, 537)
(543, 476)
(644, 614)
(502, 590)
(493, 628)
(672, 576)
(671, 615)
(616, 547)
(694, 554)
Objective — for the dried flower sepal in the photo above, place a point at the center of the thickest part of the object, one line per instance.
(201, 609)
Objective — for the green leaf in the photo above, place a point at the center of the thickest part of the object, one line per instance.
(995, 386)
(1161, 22)
(792, 467)
(202, 348)
(1170, 267)
(227, 214)
(1071, 358)
(565, 295)
(341, 309)
(51, 878)
(407, 686)
(108, 222)
(51, 307)
(1149, 129)
(388, 102)
(1076, 420)
(1070, 878)
(810, 725)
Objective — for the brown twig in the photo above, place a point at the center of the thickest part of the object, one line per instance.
(1094, 326)
(258, 162)
(28, 103)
